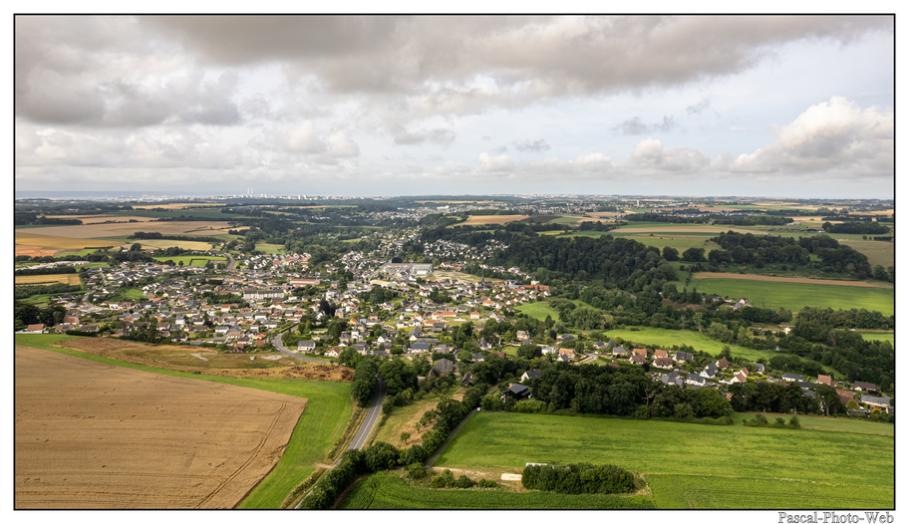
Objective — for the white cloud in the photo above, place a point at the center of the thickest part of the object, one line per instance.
(833, 136)
(650, 155)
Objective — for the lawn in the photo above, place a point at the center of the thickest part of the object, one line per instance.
(131, 294)
(675, 337)
(795, 296)
(389, 491)
(323, 422)
(693, 465)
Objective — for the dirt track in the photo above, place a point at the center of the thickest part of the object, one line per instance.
(705, 275)
(90, 435)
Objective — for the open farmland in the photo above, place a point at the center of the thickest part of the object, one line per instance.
(879, 336)
(121, 229)
(100, 219)
(327, 413)
(482, 220)
(675, 337)
(177, 205)
(92, 435)
(693, 465)
(152, 244)
(795, 296)
(879, 253)
(61, 278)
(707, 275)
(389, 491)
(32, 244)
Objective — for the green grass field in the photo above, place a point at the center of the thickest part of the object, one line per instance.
(322, 424)
(883, 337)
(192, 260)
(676, 337)
(538, 310)
(795, 296)
(270, 249)
(129, 293)
(390, 491)
(693, 465)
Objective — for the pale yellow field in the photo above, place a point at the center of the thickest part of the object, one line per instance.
(60, 278)
(177, 205)
(161, 243)
(28, 243)
(97, 219)
(479, 220)
(175, 227)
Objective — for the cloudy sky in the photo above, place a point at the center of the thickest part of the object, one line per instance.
(763, 106)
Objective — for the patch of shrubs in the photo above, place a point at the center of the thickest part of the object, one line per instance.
(579, 478)
(447, 480)
(759, 420)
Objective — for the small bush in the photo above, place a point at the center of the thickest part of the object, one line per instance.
(415, 471)
(464, 482)
(794, 422)
(486, 483)
(443, 480)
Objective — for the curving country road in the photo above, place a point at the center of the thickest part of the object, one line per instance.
(373, 411)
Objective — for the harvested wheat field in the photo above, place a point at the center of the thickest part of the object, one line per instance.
(100, 219)
(482, 220)
(706, 275)
(91, 435)
(177, 205)
(32, 244)
(125, 229)
(58, 278)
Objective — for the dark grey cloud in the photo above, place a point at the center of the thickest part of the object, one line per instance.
(636, 126)
(532, 146)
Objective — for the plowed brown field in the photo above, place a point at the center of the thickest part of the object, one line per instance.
(90, 435)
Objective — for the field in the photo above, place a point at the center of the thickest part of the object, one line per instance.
(675, 337)
(327, 413)
(879, 253)
(389, 491)
(482, 220)
(61, 278)
(89, 435)
(883, 337)
(707, 275)
(177, 205)
(270, 249)
(161, 243)
(404, 419)
(29, 243)
(695, 465)
(538, 310)
(192, 260)
(97, 219)
(795, 296)
(172, 227)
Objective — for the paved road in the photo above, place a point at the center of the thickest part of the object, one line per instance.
(373, 415)
(373, 411)
(231, 263)
(278, 343)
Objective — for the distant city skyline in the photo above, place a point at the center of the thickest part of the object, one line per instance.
(771, 106)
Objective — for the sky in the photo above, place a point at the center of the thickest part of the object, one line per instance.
(776, 106)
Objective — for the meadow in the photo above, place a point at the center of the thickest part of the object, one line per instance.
(689, 465)
(675, 337)
(390, 491)
(883, 337)
(538, 310)
(795, 296)
(270, 249)
(324, 420)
